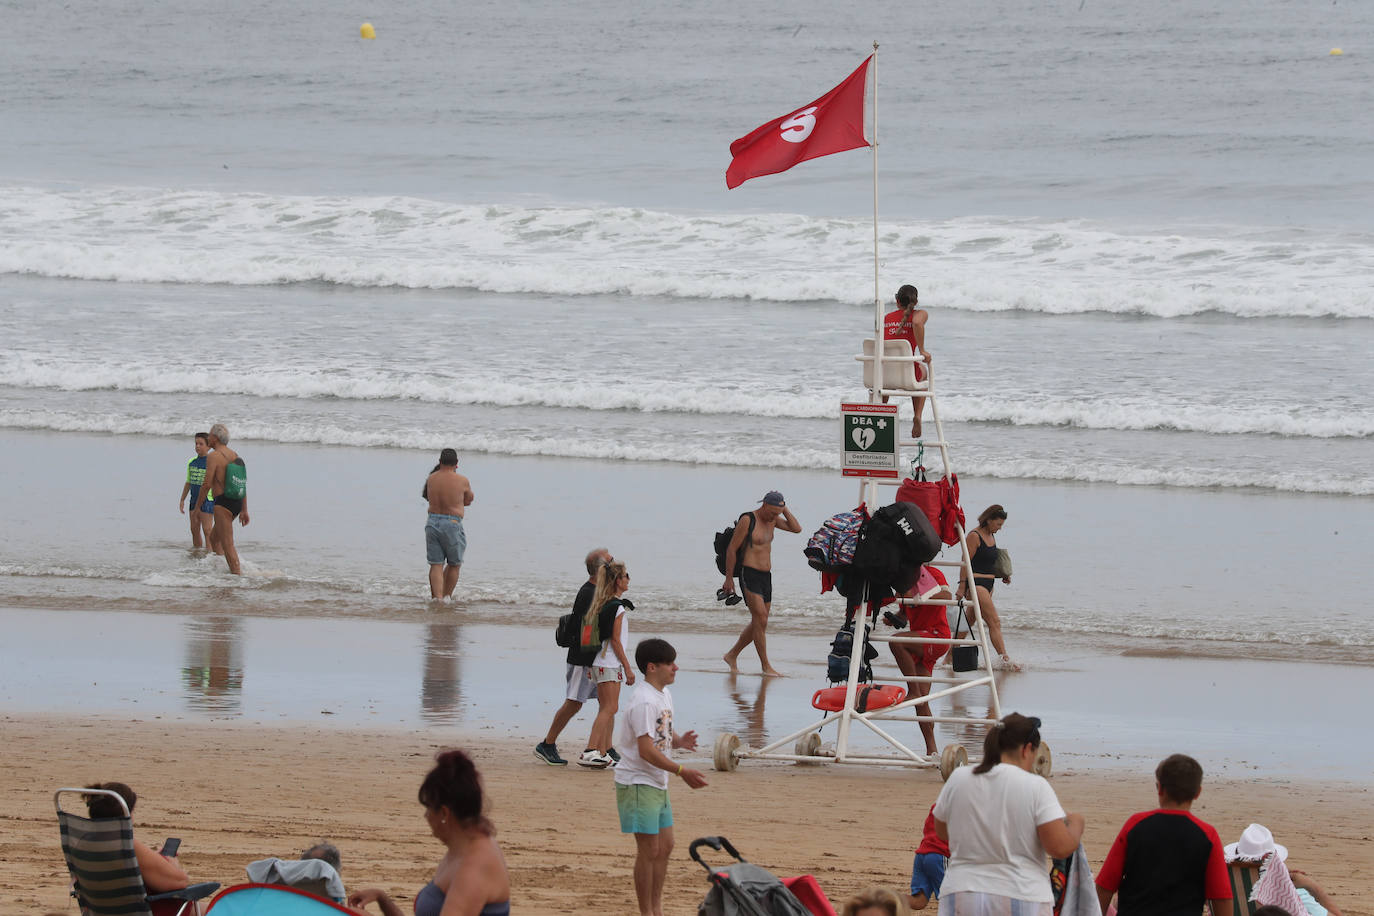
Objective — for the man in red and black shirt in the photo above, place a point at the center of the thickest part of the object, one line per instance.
(1166, 862)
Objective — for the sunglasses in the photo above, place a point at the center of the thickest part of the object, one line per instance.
(730, 598)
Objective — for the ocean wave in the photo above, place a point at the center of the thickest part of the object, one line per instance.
(1174, 630)
(668, 396)
(279, 592)
(742, 453)
(974, 264)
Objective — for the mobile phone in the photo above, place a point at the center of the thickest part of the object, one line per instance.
(170, 847)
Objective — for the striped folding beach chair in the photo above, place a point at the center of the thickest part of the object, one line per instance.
(1243, 878)
(105, 876)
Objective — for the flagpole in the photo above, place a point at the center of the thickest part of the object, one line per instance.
(878, 346)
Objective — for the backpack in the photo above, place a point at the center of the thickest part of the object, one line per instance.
(938, 499)
(566, 632)
(893, 546)
(722, 543)
(842, 650)
(831, 548)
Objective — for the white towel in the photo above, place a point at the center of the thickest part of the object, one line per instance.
(1080, 894)
(314, 875)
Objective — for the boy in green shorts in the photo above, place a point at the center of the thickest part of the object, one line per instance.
(646, 739)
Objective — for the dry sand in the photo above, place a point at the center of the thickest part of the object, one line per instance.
(235, 793)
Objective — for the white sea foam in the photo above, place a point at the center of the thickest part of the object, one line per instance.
(669, 396)
(977, 264)
(566, 444)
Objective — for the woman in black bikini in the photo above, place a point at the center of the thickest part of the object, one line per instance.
(982, 549)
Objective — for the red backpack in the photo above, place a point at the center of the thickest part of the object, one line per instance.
(938, 500)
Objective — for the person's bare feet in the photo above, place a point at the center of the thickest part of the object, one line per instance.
(916, 430)
(772, 672)
(734, 668)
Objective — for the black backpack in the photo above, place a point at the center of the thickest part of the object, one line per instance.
(722, 543)
(893, 546)
(566, 634)
(842, 650)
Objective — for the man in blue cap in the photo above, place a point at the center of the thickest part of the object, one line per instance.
(755, 536)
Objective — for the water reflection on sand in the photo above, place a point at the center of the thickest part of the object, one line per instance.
(487, 679)
(212, 674)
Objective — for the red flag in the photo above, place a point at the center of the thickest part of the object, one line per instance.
(833, 123)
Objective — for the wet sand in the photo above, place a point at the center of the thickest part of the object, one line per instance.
(453, 674)
(235, 793)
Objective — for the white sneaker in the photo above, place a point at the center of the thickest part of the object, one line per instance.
(595, 760)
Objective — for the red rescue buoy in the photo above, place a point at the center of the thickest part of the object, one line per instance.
(870, 696)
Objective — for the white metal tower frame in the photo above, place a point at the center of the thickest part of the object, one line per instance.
(728, 752)
(806, 741)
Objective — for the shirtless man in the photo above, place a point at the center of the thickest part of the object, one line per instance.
(756, 575)
(907, 322)
(449, 494)
(226, 477)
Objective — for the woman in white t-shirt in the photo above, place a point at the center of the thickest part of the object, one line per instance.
(1002, 822)
(606, 625)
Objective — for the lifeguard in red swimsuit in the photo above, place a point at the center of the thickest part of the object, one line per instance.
(909, 323)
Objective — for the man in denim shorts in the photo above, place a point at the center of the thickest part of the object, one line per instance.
(449, 494)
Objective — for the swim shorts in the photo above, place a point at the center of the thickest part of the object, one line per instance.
(445, 540)
(608, 675)
(235, 506)
(643, 809)
(927, 874)
(928, 620)
(580, 687)
(207, 506)
(758, 582)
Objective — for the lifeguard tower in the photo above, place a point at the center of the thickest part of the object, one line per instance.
(889, 373)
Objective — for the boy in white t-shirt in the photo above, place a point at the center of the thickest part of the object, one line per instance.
(646, 739)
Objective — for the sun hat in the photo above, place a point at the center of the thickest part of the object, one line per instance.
(1254, 844)
(773, 498)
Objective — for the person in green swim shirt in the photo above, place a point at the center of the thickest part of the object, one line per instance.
(202, 510)
(226, 478)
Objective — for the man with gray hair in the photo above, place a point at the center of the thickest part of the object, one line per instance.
(226, 476)
(326, 851)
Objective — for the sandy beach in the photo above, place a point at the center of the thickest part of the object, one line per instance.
(236, 793)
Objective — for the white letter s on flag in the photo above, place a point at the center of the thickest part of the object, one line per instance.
(798, 127)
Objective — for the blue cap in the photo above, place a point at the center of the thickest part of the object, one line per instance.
(773, 498)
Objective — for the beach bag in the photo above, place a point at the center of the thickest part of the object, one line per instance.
(565, 633)
(938, 501)
(1001, 567)
(721, 543)
(963, 658)
(831, 548)
(236, 479)
(893, 546)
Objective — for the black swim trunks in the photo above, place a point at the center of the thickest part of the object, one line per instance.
(235, 506)
(758, 582)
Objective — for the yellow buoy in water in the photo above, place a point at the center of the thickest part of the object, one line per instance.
(1336, 52)
(367, 31)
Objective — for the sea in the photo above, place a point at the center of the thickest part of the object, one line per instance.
(1144, 234)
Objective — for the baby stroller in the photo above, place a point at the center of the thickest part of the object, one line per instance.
(745, 889)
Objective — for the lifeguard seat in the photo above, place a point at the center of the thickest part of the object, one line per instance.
(899, 367)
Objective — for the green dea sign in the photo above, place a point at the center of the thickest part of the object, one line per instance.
(870, 440)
